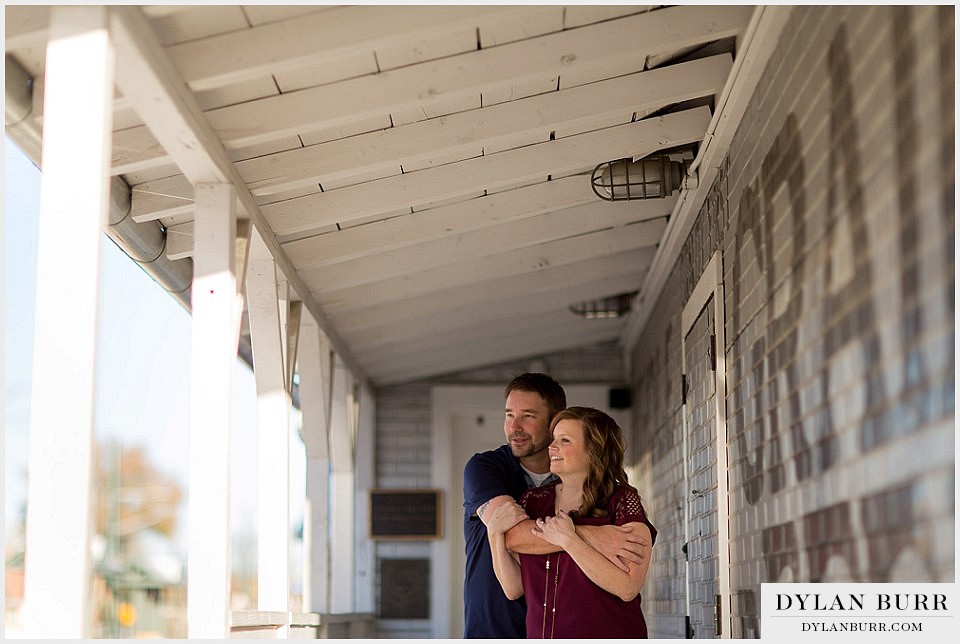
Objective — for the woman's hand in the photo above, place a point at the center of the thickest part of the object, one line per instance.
(557, 530)
(505, 517)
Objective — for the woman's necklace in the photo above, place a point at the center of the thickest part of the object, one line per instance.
(546, 586)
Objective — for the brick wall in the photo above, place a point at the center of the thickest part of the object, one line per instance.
(834, 216)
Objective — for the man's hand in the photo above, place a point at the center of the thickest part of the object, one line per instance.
(621, 545)
(506, 515)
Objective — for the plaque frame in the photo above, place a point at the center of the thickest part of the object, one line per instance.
(426, 525)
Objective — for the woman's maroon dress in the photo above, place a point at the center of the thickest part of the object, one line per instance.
(562, 602)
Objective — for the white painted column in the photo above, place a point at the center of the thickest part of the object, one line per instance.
(273, 412)
(214, 355)
(315, 388)
(341, 492)
(73, 207)
(366, 478)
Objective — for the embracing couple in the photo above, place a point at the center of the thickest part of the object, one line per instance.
(557, 541)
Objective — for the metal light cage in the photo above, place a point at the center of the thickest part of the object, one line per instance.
(609, 307)
(652, 177)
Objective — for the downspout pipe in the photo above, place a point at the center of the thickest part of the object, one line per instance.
(144, 242)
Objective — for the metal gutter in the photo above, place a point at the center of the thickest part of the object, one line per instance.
(145, 242)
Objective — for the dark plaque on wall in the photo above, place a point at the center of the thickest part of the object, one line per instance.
(404, 589)
(405, 514)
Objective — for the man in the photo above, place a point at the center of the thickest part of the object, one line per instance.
(497, 478)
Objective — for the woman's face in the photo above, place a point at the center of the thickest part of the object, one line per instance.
(568, 451)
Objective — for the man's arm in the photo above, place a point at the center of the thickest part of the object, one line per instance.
(620, 545)
(486, 510)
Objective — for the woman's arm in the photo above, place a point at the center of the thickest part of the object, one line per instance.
(621, 545)
(560, 531)
(506, 565)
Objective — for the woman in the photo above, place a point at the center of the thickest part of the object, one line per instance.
(576, 592)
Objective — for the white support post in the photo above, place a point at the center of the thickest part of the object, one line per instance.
(74, 191)
(366, 473)
(315, 387)
(342, 490)
(213, 358)
(273, 454)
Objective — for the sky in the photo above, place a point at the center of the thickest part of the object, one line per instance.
(142, 370)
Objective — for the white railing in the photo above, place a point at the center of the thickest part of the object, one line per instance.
(259, 624)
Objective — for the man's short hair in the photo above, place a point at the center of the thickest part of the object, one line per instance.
(540, 383)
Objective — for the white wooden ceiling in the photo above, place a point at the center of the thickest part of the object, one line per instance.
(423, 169)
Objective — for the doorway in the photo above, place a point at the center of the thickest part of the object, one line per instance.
(706, 512)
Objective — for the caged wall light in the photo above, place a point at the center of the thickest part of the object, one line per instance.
(652, 177)
(609, 307)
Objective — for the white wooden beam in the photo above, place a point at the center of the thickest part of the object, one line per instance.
(315, 405)
(437, 223)
(532, 163)
(569, 58)
(323, 38)
(477, 354)
(294, 319)
(536, 302)
(154, 87)
(273, 452)
(167, 107)
(456, 136)
(215, 313)
(510, 263)
(362, 315)
(422, 225)
(530, 233)
(557, 322)
(365, 448)
(74, 198)
(577, 56)
(342, 490)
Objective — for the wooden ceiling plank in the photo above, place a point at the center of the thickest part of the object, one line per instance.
(435, 223)
(538, 302)
(197, 23)
(25, 26)
(530, 233)
(419, 113)
(333, 71)
(421, 363)
(316, 38)
(260, 14)
(573, 153)
(556, 321)
(592, 50)
(587, 14)
(362, 314)
(489, 127)
(497, 126)
(545, 20)
(151, 197)
(426, 47)
(511, 263)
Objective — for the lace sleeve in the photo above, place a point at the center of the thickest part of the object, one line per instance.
(627, 508)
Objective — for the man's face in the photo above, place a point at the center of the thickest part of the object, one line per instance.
(526, 423)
